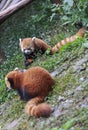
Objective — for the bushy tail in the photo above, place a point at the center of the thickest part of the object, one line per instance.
(36, 108)
(70, 39)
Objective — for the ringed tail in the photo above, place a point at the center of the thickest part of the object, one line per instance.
(81, 33)
(36, 107)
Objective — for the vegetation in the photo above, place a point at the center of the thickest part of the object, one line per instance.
(73, 12)
(51, 23)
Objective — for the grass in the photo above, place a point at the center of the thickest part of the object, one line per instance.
(73, 121)
(34, 20)
(49, 62)
(14, 56)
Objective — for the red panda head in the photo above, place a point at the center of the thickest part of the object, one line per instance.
(11, 79)
(27, 45)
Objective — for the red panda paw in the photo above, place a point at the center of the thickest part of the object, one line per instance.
(19, 97)
(30, 60)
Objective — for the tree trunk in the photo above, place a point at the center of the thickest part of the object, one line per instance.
(8, 7)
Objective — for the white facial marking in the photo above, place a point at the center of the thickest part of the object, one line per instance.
(16, 69)
(20, 40)
(22, 49)
(27, 51)
(8, 85)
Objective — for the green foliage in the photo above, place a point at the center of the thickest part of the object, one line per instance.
(78, 119)
(68, 124)
(9, 65)
(54, 129)
(4, 95)
(85, 44)
(71, 12)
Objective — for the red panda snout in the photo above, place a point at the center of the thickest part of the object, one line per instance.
(27, 52)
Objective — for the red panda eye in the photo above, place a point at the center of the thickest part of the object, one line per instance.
(11, 82)
(24, 49)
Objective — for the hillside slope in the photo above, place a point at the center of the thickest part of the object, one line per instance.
(70, 104)
(69, 66)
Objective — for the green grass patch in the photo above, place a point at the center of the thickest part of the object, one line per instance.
(76, 121)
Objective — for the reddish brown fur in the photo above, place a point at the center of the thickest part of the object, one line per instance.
(41, 45)
(70, 39)
(34, 83)
(37, 44)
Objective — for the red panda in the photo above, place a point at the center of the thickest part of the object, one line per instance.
(31, 46)
(33, 85)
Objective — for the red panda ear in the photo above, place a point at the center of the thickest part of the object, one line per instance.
(33, 39)
(16, 69)
(11, 82)
(20, 40)
(34, 42)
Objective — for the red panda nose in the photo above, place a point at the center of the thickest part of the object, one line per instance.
(27, 51)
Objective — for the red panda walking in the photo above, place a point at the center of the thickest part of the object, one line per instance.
(33, 85)
(31, 46)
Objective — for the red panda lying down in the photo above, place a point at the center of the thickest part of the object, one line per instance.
(33, 85)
